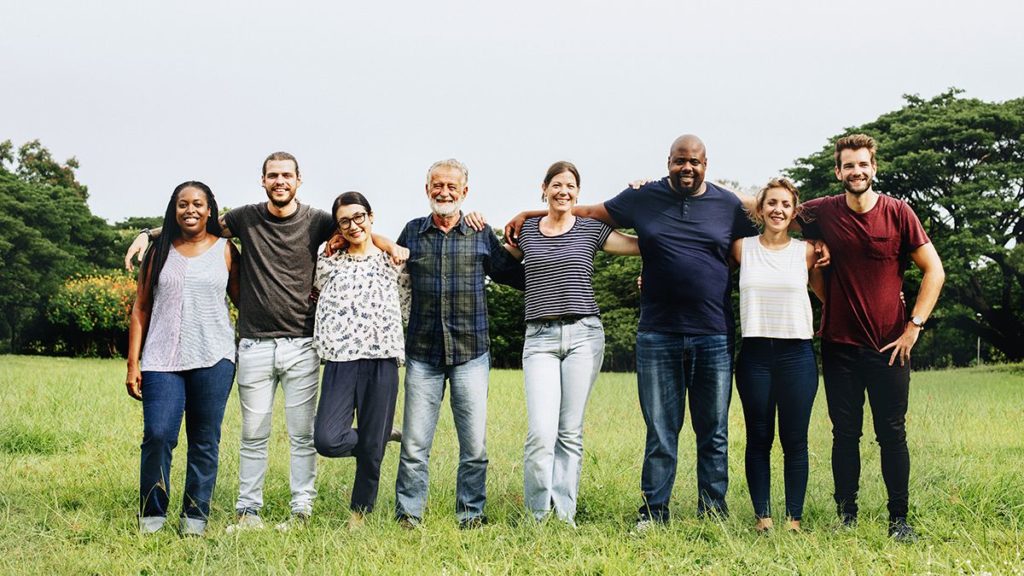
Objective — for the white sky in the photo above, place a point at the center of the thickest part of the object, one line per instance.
(367, 95)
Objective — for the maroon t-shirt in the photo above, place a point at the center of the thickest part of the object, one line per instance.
(870, 253)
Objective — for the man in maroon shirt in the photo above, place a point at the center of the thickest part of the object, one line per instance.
(866, 333)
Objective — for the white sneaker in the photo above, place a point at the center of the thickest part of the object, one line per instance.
(246, 522)
(297, 521)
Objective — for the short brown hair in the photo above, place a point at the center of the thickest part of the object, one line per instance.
(855, 142)
(280, 156)
(785, 184)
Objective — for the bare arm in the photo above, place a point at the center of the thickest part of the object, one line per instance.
(138, 246)
(399, 254)
(736, 251)
(514, 251)
(927, 259)
(621, 244)
(138, 323)
(234, 286)
(815, 273)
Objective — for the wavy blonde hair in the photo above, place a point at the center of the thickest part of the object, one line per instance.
(785, 184)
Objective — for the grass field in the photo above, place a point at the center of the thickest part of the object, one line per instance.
(69, 439)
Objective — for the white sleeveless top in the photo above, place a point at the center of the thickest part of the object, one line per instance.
(773, 291)
(189, 326)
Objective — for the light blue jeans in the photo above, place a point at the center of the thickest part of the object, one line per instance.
(263, 363)
(561, 361)
(424, 391)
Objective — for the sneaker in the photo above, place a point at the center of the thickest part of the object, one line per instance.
(192, 527)
(848, 521)
(643, 525)
(246, 521)
(356, 521)
(297, 521)
(900, 531)
(408, 522)
(473, 523)
(396, 435)
(151, 524)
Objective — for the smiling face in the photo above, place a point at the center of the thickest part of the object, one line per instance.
(446, 191)
(355, 223)
(281, 181)
(686, 165)
(777, 209)
(191, 210)
(856, 170)
(561, 192)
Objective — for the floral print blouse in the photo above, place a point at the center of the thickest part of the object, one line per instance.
(362, 303)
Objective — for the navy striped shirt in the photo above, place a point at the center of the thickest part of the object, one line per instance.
(559, 269)
(448, 320)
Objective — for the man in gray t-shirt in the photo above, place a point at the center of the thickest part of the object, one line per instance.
(280, 239)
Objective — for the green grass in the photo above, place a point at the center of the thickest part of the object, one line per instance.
(69, 439)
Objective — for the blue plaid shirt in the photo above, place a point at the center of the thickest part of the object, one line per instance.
(448, 321)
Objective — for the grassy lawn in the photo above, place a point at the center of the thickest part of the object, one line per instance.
(69, 457)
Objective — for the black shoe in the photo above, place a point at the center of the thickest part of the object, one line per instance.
(900, 531)
(848, 520)
(473, 523)
(408, 522)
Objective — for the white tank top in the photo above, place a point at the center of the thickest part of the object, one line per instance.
(189, 326)
(773, 291)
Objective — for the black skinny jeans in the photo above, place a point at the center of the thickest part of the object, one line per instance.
(849, 372)
(774, 374)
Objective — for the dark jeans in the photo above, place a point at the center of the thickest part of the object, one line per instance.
(849, 372)
(778, 374)
(367, 388)
(200, 396)
(668, 366)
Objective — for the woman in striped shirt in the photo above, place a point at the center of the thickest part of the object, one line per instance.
(776, 369)
(564, 344)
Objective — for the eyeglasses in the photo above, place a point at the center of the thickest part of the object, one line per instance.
(346, 223)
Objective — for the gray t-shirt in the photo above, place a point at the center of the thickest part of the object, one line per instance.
(278, 262)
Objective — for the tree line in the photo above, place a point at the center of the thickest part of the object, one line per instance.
(959, 162)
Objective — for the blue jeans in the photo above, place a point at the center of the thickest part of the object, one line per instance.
(777, 374)
(561, 361)
(668, 366)
(424, 391)
(200, 396)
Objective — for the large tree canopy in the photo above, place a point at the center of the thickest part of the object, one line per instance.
(959, 162)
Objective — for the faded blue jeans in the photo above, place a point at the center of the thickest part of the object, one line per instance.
(199, 396)
(561, 361)
(668, 367)
(424, 391)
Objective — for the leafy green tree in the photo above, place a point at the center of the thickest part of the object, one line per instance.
(959, 162)
(35, 165)
(47, 234)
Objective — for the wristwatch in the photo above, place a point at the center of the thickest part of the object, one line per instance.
(147, 232)
(917, 321)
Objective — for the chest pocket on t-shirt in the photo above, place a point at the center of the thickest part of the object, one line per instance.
(883, 247)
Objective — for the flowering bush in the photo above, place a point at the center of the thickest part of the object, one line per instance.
(94, 310)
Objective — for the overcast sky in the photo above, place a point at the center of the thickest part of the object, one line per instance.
(367, 95)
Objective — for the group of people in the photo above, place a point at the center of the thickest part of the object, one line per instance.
(344, 306)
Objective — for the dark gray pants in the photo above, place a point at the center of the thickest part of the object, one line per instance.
(367, 388)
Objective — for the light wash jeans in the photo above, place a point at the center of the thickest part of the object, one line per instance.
(424, 390)
(262, 364)
(561, 361)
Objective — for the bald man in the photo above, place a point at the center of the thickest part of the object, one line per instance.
(684, 341)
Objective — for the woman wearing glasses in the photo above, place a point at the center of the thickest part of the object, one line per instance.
(358, 335)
